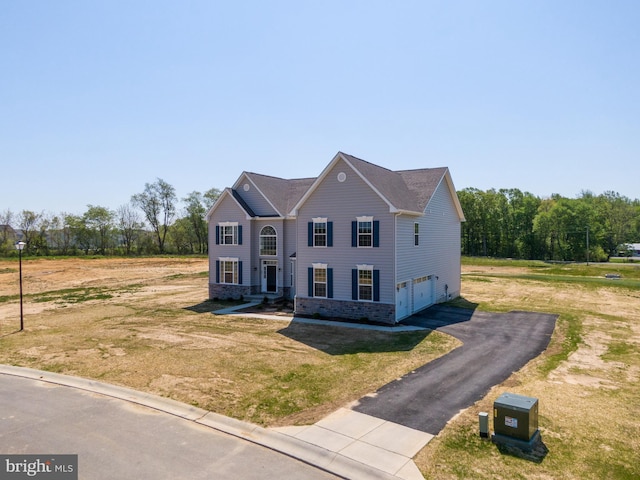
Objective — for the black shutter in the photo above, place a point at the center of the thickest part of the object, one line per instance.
(354, 284)
(329, 234)
(376, 233)
(310, 281)
(330, 282)
(376, 285)
(217, 271)
(310, 234)
(217, 234)
(240, 272)
(239, 234)
(354, 233)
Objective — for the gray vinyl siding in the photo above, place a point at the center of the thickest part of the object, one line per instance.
(341, 203)
(229, 211)
(412, 260)
(255, 199)
(442, 241)
(289, 249)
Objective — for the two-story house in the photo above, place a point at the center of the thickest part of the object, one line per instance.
(358, 242)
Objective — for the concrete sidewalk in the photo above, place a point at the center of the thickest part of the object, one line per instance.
(346, 443)
(384, 445)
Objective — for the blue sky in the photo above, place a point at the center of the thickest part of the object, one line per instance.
(99, 97)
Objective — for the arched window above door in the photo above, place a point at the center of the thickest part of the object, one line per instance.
(268, 241)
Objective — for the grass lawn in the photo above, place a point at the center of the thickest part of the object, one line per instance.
(587, 381)
(144, 323)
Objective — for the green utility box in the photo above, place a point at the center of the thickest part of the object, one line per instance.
(515, 416)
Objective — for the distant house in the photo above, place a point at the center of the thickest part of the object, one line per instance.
(357, 242)
(630, 249)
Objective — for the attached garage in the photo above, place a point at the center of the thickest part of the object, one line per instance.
(414, 296)
(423, 292)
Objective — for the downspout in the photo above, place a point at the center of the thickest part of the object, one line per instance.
(395, 266)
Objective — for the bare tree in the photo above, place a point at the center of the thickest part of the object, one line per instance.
(157, 202)
(129, 225)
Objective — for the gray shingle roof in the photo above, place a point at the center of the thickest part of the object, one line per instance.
(282, 193)
(404, 190)
(408, 190)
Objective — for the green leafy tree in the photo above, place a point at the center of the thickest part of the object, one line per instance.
(157, 202)
(98, 222)
(197, 226)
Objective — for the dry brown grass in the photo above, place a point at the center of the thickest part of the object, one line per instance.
(589, 407)
(144, 323)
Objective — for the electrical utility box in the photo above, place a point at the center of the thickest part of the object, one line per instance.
(515, 416)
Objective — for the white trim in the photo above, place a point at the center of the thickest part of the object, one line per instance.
(318, 221)
(225, 193)
(261, 236)
(321, 266)
(235, 272)
(452, 192)
(249, 179)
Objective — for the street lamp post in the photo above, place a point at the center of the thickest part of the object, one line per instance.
(20, 247)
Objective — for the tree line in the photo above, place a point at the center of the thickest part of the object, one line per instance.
(151, 223)
(508, 223)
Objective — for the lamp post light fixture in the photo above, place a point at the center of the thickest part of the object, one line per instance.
(20, 247)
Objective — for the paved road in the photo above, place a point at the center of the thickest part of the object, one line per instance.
(495, 346)
(117, 439)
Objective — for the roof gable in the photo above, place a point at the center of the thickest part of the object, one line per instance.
(404, 191)
(229, 193)
(279, 193)
(407, 191)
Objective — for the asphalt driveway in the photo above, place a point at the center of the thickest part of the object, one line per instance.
(495, 346)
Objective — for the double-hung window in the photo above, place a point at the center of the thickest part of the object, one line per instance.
(416, 234)
(365, 283)
(365, 232)
(320, 281)
(320, 233)
(229, 270)
(229, 233)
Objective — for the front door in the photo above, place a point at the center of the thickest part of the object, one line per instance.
(269, 276)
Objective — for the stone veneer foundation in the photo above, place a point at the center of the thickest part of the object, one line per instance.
(328, 308)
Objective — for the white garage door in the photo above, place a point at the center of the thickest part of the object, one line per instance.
(423, 292)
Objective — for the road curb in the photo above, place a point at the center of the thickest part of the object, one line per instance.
(310, 454)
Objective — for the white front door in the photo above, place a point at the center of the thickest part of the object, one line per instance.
(269, 276)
